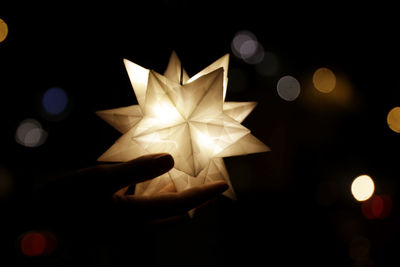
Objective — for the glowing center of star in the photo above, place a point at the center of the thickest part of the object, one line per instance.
(186, 117)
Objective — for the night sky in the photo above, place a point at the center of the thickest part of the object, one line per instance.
(294, 203)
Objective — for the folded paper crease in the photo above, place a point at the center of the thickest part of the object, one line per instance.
(186, 117)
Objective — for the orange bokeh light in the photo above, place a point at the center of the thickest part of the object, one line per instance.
(324, 80)
(393, 119)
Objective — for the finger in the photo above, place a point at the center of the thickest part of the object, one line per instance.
(112, 177)
(195, 196)
(171, 204)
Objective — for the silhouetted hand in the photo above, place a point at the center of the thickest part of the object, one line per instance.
(90, 194)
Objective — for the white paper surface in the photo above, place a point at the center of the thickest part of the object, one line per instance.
(186, 117)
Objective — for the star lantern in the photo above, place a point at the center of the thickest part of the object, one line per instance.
(186, 117)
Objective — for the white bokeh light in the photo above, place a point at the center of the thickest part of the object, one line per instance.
(288, 88)
(246, 47)
(239, 39)
(362, 187)
(30, 133)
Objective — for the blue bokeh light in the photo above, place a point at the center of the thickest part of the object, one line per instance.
(55, 101)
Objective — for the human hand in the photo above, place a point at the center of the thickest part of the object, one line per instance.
(91, 192)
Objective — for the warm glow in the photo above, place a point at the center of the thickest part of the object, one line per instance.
(138, 77)
(393, 119)
(207, 142)
(3, 30)
(324, 80)
(165, 114)
(362, 187)
(186, 117)
(343, 97)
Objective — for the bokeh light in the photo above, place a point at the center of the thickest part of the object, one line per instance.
(3, 30)
(38, 243)
(269, 66)
(324, 80)
(343, 98)
(377, 207)
(250, 55)
(55, 101)
(362, 187)
(30, 133)
(239, 39)
(393, 119)
(288, 88)
(33, 244)
(51, 242)
(246, 47)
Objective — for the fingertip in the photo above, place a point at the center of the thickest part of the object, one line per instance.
(164, 161)
(221, 185)
(195, 196)
(134, 171)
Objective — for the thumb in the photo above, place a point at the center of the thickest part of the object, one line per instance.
(112, 177)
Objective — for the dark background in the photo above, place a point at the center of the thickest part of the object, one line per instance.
(294, 203)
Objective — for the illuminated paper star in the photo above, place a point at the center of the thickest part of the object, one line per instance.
(186, 117)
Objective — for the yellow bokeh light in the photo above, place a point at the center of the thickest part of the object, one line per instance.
(362, 187)
(3, 30)
(393, 119)
(324, 80)
(343, 97)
